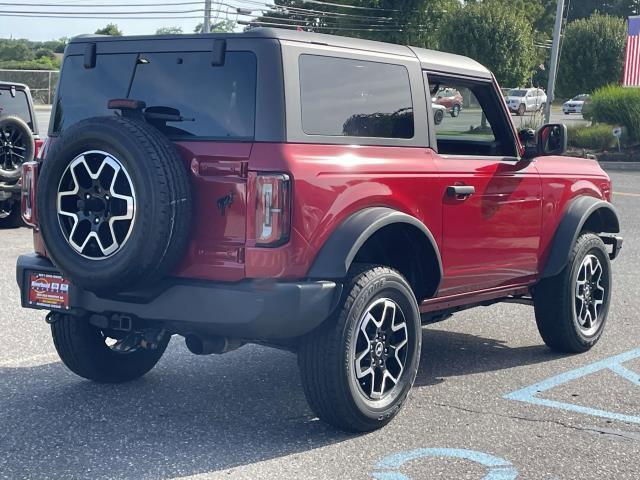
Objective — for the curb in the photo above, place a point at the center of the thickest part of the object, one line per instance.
(621, 166)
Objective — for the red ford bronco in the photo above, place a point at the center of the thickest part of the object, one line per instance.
(292, 189)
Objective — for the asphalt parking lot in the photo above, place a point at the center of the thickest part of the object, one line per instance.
(490, 401)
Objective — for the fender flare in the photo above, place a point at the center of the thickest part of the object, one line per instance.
(340, 249)
(578, 212)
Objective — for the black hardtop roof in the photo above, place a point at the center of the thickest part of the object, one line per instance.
(20, 86)
(430, 59)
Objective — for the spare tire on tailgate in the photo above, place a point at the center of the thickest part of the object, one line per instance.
(114, 204)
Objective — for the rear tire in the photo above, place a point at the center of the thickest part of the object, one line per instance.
(10, 214)
(571, 316)
(377, 313)
(455, 111)
(82, 348)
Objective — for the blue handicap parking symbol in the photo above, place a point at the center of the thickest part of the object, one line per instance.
(613, 364)
(498, 469)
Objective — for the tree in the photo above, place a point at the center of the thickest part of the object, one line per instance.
(223, 26)
(592, 54)
(169, 31)
(20, 50)
(496, 36)
(619, 8)
(540, 13)
(408, 22)
(110, 29)
(44, 52)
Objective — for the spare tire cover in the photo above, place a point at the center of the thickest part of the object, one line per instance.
(114, 204)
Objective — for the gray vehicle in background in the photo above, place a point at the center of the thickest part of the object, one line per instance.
(19, 141)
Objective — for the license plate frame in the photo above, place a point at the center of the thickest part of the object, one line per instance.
(47, 290)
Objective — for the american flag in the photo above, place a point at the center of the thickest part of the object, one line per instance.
(632, 58)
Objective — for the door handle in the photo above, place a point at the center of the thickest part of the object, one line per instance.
(461, 191)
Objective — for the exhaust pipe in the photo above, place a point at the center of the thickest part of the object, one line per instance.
(211, 344)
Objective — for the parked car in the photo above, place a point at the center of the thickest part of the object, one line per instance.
(451, 99)
(19, 142)
(576, 104)
(439, 112)
(334, 220)
(522, 100)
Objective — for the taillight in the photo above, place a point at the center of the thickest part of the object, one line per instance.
(273, 209)
(28, 199)
(41, 148)
(38, 148)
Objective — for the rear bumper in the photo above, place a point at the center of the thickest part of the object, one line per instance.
(252, 310)
(10, 189)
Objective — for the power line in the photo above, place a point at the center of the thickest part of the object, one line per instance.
(292, 9)
(318, 2)
(101, 13)
(260, 23)
(301, 23)
(62, 16)
(113, 5)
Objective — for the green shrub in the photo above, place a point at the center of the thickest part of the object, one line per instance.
(595, 137)
(617, 106)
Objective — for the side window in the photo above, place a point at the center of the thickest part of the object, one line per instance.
(475, 124)
(355, 98)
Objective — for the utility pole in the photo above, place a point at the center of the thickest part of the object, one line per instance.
(555, 52)
(206, 25)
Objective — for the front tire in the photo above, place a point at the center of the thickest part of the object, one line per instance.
(522, 109)
(358, 368)
(572, 307)
(455, 111)
(84, 349)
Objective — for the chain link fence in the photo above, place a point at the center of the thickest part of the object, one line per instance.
(42, 83)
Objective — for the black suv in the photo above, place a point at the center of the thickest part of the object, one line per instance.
(19, 141)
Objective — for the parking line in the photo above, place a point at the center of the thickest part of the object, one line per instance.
(613, 364)
(499, 468)
(627, 194)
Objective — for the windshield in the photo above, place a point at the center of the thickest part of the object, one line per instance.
(580, 98)
(517, 93)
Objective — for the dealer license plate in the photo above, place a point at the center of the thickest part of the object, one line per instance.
(48, 290)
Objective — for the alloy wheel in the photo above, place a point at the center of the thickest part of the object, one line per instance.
(380, 353)
(590, 294)
(13, 148)
(96, 205)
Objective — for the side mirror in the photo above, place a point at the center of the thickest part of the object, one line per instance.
(552, 139)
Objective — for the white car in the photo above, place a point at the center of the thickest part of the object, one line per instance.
(522, 100)
(576, 104)
(438, 111)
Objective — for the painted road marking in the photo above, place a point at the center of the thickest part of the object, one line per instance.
(614, 364)
(499, 469)
(627, 194)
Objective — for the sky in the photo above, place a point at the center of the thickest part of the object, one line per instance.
(53, 28)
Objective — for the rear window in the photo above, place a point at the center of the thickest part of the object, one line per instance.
(355, 98)
(214, 102)
(17, 105)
